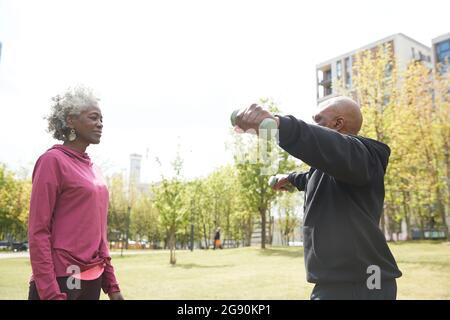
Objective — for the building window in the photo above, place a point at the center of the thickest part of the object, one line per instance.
(388, 70)
(320, 93)
(443, 54)
(423, 57)
(348, 72)
(327, 82)
(324, 83)
(327, 75)
(338, 70)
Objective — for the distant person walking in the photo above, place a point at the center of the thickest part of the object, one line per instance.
(217, 242)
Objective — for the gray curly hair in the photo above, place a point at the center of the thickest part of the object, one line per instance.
(71, 102)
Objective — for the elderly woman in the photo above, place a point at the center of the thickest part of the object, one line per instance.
(69, 208)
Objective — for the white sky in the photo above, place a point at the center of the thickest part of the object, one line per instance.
(170, 72)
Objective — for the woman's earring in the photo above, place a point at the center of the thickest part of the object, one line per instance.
(72, 135)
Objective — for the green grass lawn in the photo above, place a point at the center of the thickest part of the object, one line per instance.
(244, 273)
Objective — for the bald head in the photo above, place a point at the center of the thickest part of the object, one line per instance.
(341, 114)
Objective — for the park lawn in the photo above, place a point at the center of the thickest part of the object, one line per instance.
(244, 273)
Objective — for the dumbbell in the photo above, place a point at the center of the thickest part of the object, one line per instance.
(267, 124)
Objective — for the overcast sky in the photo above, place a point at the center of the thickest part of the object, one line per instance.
(170, 72)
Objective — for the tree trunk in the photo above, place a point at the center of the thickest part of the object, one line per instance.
(422, 225)
(406, 200)
(127, 226)
(248, 232)
(167, 242)
(262, 212)
(382, 226)
(173, 259)
(228, 232)
(387, 227)
(205, 236)
(209, 233)
(271, 227)
(408, 228)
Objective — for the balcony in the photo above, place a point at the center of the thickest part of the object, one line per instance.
(325, 82)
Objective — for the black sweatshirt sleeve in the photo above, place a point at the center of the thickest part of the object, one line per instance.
(298, 180)
(343, 157)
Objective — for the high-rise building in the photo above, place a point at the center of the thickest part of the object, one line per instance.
(404, 49)
(135, 174)
(441, 53)
(135, 168)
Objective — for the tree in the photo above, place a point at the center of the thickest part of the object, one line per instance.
(442, 128)
(409, 111)
(118, 214)
(145, 220)
(426, 100)
(255, 160)
(168, 199)
(376, 89)
(288, 217)
(202, 209)
(223, 189)
(14, 205)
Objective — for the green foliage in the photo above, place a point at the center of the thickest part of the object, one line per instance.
(168, 198)
(408, 110)
(145, 221)
(255, 161)
(14, 204)
(118, 220)
(288, 217)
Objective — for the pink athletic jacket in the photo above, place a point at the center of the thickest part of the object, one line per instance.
(68, 221)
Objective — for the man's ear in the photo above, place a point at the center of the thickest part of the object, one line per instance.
(339, 123)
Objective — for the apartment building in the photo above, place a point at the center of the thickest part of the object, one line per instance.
(404, 50)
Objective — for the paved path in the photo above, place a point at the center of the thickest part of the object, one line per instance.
(15, 255)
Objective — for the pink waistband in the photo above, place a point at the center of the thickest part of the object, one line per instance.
(90, 274)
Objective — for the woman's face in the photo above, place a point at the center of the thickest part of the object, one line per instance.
(88, 125)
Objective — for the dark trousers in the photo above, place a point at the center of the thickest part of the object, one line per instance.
(355, 291)
(89, 289)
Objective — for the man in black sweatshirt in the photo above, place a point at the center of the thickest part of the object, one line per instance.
(346, 254)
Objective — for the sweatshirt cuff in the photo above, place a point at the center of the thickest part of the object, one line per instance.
(61, 296)
(291, 178)
(58, 295)
(111, 289)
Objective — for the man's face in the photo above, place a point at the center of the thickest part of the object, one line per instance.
(325, 118)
